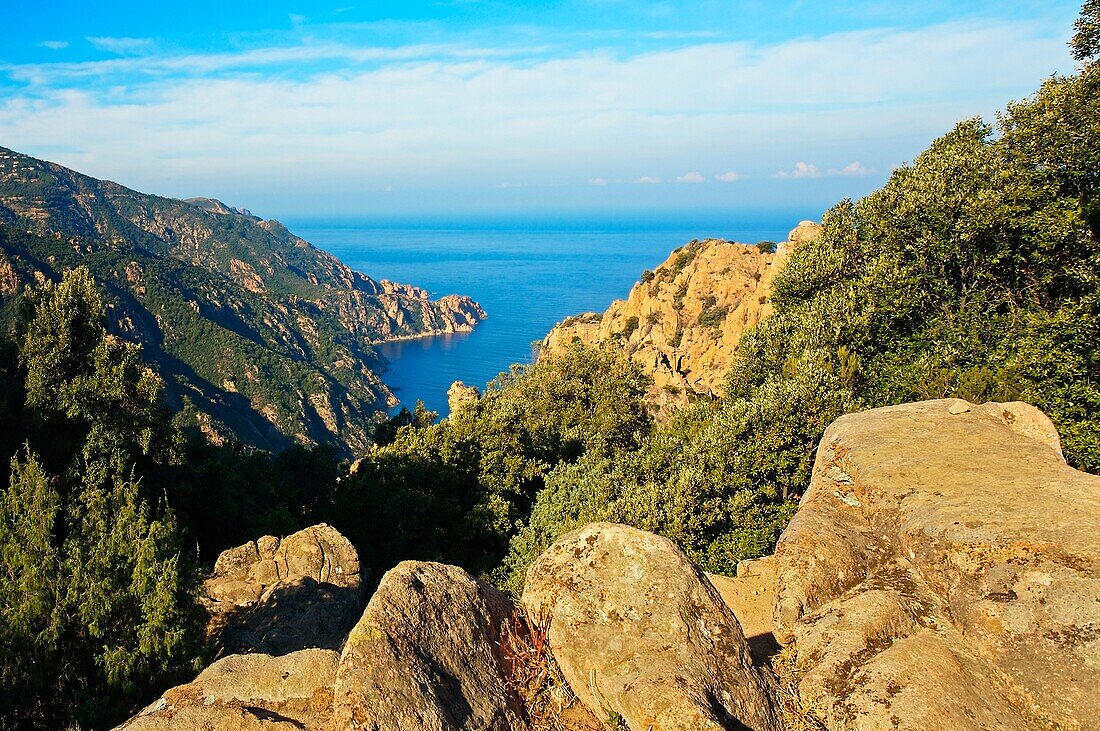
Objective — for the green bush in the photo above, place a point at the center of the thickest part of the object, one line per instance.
(456, 491)
(712, 315)
(684, 256)
(721, 479)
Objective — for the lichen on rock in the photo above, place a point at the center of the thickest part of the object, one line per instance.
(950, 579)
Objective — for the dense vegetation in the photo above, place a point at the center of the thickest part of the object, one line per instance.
(108, 508)
(94, 594)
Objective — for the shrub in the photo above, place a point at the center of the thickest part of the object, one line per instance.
(629, 327)
(713, 315)
(685, 256)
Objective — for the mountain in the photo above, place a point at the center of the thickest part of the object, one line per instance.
(257, 333)
(683, 320)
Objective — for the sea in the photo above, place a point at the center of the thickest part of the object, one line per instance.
(528, 276)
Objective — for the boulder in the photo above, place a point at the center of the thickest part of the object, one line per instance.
(941, 572)
(276, 597)
(804, 232)
(427, 654)
(249, 692)
(638, 631)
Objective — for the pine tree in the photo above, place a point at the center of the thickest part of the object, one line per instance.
(30, 579)
(95, 595)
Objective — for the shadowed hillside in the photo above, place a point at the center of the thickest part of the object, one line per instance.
(257, 333)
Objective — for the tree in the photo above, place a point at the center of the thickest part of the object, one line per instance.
(96, 597)
(1085, 43)
(30, 583)
(83, 383)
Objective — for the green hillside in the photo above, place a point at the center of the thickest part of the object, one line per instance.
(258, 334)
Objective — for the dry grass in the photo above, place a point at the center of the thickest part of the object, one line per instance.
(796, 715)
(534, 675)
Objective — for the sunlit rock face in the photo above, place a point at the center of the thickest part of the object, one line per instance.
(941, 572)
(683, 321)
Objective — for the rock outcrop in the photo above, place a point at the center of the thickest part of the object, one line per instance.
(459, 394)
(277, 596)
(638, 631)
(942, 572)
(427, 655)
(249, 693)
(682, 322)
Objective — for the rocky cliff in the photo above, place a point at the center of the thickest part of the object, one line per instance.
(941, 573)
(256, 332)
(683, 320)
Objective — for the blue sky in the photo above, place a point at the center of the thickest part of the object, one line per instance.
(468, 108)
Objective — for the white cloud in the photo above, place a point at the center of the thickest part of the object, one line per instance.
(691, 178)
(339, 119)
(597, 181)
(648, 180)
(804, 170)
(852, 170)
(729, 177)
(801, 171)
(54, 45)
(121, 46)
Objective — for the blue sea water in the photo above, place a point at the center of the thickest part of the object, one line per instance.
(527, 277)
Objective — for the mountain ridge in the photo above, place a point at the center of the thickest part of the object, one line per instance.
(258, 334)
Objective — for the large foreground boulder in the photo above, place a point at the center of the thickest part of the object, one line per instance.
(427, 654)
(247, 693)
(277, 596)
(942, 572)
(638, 631)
